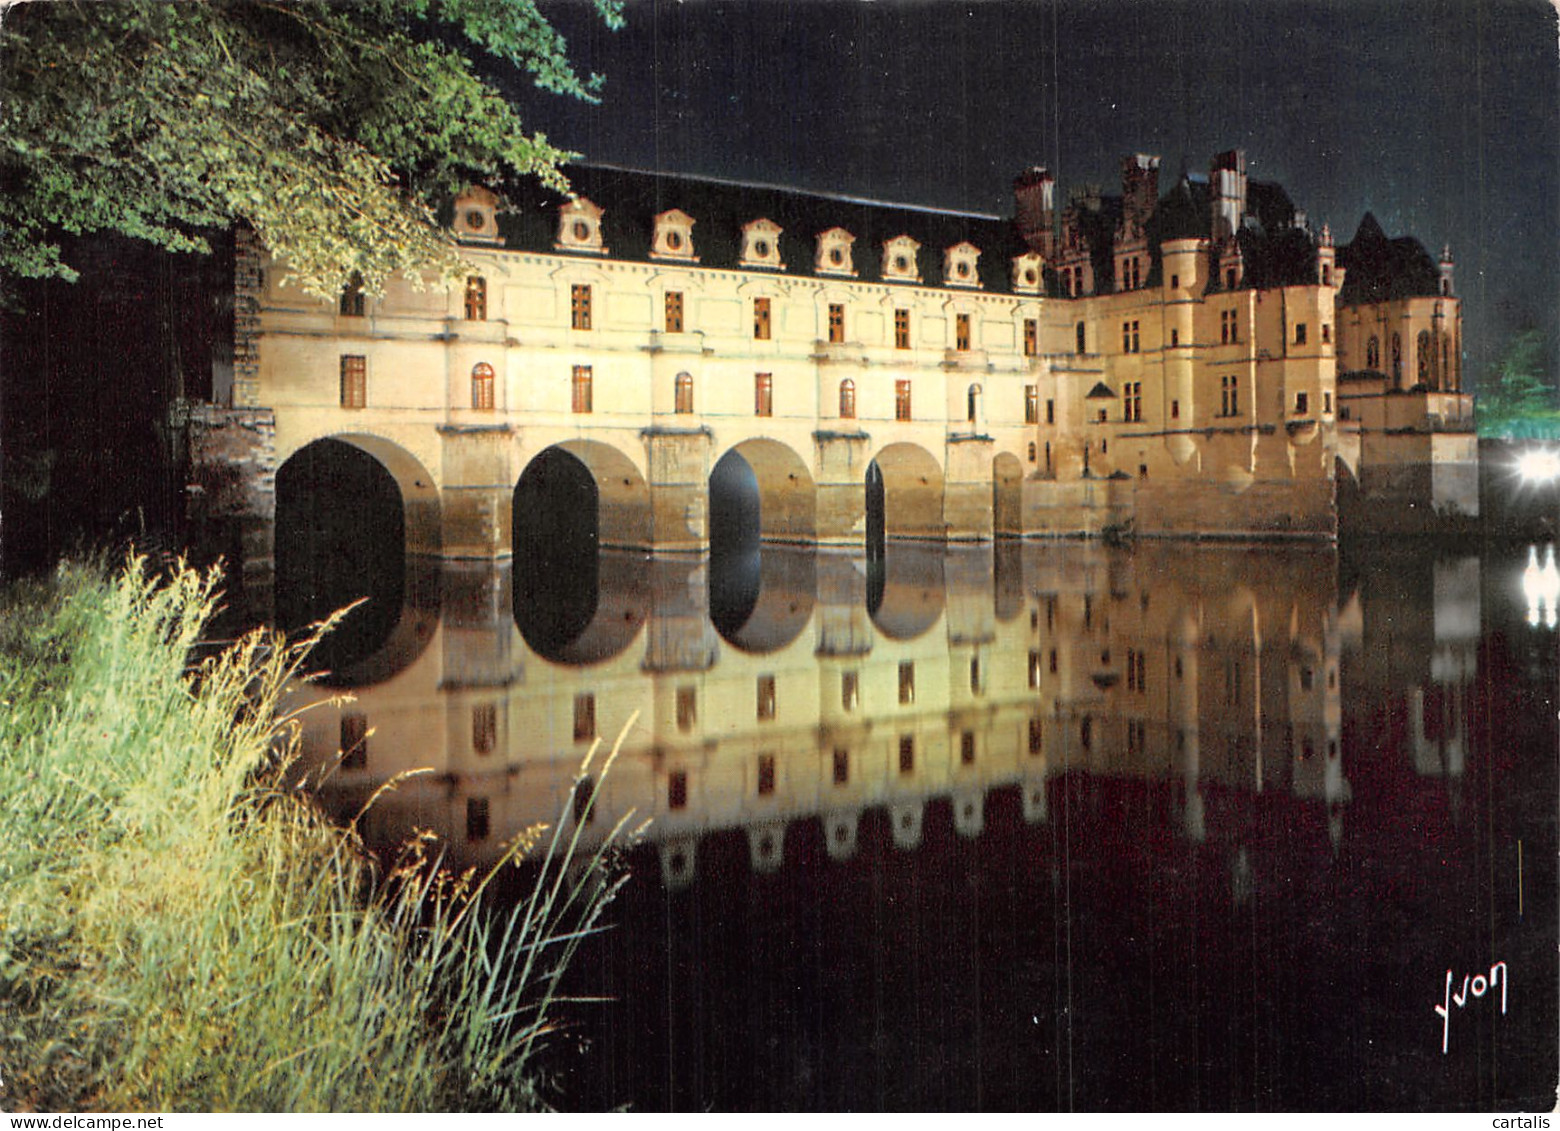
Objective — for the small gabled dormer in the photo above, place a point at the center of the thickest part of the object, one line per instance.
(834, 254)
(899, 260)
(579, 227)
(1028, 273)
(673, 237)
(475, 220)
(959, 265)
(761, 244)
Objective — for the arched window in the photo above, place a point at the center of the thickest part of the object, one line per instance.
(1422, 356)
(1397, 359)
(476, 298)
(1082, 335)
(684, 393)
(482, 386)
(974, 399)
(847, 399)
(1373, 353)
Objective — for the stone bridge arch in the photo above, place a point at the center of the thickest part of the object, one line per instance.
(905, 491)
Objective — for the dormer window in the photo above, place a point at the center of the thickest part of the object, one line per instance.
(761, 245)
(579, 227)
(1027, 273)
(673, 237)
(474, 216)
(899, 260)
(959, 265)
(834, 254)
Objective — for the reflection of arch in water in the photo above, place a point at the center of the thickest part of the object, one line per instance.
(1007, 501)
(904, 486)
(350, 511)
(762, 600)
(906, 590)
(773, 500)
(587, 625)
(419, 614)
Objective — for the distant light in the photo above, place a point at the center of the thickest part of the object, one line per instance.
(1539, 465)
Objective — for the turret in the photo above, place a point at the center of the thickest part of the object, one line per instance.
(1445, 285)
(1327, 259)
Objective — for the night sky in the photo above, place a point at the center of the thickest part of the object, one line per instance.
(1440, 116)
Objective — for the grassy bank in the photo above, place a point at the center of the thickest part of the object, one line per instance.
(178, 931)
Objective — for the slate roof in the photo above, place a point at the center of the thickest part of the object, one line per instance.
(1380, 269)
(630, 199)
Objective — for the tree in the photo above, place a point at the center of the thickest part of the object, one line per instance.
(333, 129)
(1514, 402)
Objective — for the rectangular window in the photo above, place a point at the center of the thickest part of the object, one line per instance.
(850, 690)
(476, 298)
(1136, 663)
(901, 400)
(1135, 348)
(763, 394)
(1031, 337)
(1050, 412)
(482, 387)
(907, 681)
(674, 312)
(977, 687)
(478, 823)
(1326, 332)
(1036, 734)
(581, 389)
(761, 319)
(961, 331)
(579, 306)
(967, 748)
(1326, 403)
(484, 728)
(584, 717)
(1302, 403)
(841, 766)
(901, 329)
(906, 754)
(1081, 333)
(354, 381)
(766, 697)
(677, 789)
(352, 296)
(1034, 670)
(1175, 336)
(1126, 337)
(836, 322)
(1299, 333)
(354, 741)
(1031, 404)
(683, 394)
(1175, 282)
(1132, 401)
(1229, 396)
(687, 708)
(1175, 410)
(585, 801)
(766, 775)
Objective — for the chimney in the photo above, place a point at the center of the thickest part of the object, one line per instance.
(1227, 182)
(1034, 209)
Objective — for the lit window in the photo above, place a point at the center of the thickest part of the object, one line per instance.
(961, 332)
(352, 296)
(907, 682)
(847, 399)
(579, 306)
(476, 298)
(901, 400)
(901, 329)
(761, 319)
(684, 393)
(581, 389)
(584, 717)
(482, 387)
(850, 690)
(1031, 337)
(674, 312)
(836, 322)
(763, 394)
(766, 697)
(1031, 404)
(484, 728)
(354, 381)
(1034, 670)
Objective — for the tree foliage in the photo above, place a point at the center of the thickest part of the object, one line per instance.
(332, 129)
(1514, 401)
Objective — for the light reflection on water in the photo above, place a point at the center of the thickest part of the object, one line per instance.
(1011, 827)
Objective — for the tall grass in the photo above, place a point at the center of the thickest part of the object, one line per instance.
(180, 931)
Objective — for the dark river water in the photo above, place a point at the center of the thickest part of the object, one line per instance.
(1039, 826)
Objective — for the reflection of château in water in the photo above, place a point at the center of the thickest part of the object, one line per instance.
(831, 689)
